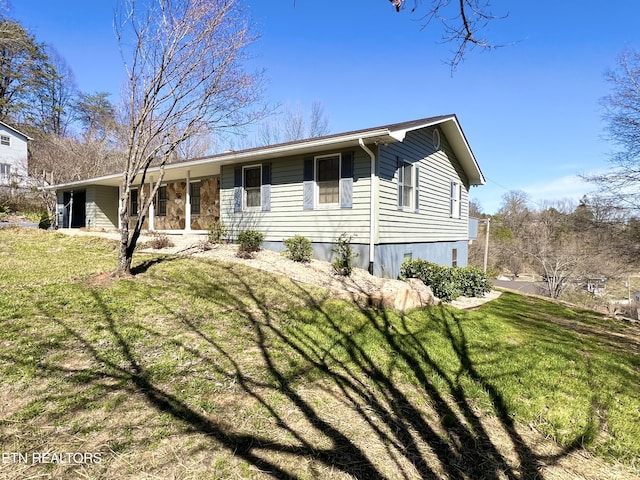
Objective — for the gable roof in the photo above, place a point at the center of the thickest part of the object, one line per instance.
(384, 134)
(26, 137)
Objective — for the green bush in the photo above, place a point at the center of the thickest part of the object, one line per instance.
(447, 283)
(217, 232)
(344, 255)
(474, 282)
(249, 241)
(298, 249)
(45, 221)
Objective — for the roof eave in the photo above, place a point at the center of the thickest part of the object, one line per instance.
(385, 135)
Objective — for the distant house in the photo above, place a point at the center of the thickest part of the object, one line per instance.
(13, 156)
(401, 190)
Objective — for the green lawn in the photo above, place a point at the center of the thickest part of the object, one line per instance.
(200, 369)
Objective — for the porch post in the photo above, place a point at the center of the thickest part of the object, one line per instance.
(119, 207)
(70, 209)
(152, 208)
(187, 204)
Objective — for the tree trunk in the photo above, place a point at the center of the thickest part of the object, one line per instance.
(125, 254)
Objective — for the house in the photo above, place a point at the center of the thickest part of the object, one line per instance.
(401, 191)
(13, 156)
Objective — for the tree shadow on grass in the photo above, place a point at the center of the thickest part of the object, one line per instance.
(375, 364)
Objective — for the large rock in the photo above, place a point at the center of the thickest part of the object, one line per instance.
(403, 296)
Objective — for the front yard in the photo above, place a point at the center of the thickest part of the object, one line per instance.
(197, 368)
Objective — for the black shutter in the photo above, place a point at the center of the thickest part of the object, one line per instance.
(237, 189)
(307, 184)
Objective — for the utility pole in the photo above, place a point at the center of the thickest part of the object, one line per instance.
(486, 243)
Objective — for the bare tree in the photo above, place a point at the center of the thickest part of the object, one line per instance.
(318, 120)
(290, 125)
(622, 113)
(184, 75)
(462, 22)
(54, 96)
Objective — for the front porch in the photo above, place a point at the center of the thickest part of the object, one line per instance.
(183, 206)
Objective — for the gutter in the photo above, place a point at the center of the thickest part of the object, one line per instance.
(372, 206)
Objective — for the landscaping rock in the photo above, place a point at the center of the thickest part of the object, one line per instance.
(403, 296)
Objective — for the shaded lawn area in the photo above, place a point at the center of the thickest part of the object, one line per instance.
(199, 369)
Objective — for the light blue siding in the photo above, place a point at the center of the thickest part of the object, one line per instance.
(290, 212)
(432, 222)
(389, 257)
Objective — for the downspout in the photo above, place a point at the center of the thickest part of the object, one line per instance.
(372, 206)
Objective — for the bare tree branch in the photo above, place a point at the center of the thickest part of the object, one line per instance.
(622, 113)
(184, 65)
(462, 22)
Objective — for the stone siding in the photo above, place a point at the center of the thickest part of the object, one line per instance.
(176, 206)
(209, 204)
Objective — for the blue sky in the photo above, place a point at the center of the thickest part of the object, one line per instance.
(530, 110)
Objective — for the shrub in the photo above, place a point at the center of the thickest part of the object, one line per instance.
(473, 282)
(45, 221)
(158, 241)
(249, 241)
(447, 283)
(344, 255)
(298, 249)
(217, 232)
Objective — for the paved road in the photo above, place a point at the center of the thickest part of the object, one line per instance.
(525, 287)
(18, 224)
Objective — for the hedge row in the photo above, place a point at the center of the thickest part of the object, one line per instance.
(447, 283)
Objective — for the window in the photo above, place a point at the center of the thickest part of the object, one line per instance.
(252, 188)
(5, 140)
(328, 180)
(454, 257)
(162, 202)
(133, 201)
(252, 182)
(195, 198)
(5, 170)
(436, 139)
(456, 203)
(406, 185)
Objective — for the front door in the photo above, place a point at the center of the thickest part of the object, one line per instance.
(75, 209)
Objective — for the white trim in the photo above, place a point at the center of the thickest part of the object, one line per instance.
(253, 208)
(187, 203)
(455, 198)
(413, 183)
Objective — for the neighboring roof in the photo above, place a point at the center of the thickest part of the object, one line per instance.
(16, 131)
(385, 134)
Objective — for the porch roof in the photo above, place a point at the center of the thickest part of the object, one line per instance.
(210, 165)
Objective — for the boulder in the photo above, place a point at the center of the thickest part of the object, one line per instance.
(403, 296)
